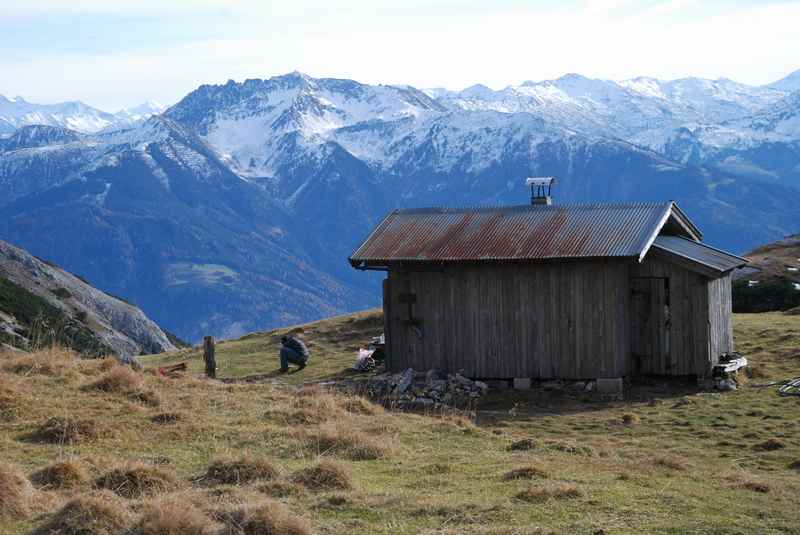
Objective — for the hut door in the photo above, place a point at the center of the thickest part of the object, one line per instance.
(650, 326)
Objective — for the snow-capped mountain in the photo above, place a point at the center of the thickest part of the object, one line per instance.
(75, 115)
(790, 83)
(234, 209)
(130, 116)
(250, 123)
(641, 110)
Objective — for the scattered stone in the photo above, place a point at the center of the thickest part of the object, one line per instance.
(429, 389)
(725, 385)
(405, 381)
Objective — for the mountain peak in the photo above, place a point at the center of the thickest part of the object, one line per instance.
(790, 83)
(477, 91)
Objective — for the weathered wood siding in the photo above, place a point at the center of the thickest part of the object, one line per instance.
(720, 307)
(689, 326)
(545, 320)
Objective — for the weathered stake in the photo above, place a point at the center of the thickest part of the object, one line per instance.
(208, 356)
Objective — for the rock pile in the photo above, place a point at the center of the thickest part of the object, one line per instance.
(426, 389)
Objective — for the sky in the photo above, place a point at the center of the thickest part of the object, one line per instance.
(112, 54)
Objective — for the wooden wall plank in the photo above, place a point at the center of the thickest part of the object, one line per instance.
(548, 320)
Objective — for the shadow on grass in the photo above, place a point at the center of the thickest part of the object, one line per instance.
(513, 405)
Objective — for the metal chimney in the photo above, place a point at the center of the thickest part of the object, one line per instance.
(540, 189)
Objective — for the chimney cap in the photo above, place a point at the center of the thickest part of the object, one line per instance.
(540, 181)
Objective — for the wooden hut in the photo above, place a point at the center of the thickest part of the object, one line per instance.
(551, 292)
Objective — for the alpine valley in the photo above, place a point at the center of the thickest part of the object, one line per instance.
(235, 209)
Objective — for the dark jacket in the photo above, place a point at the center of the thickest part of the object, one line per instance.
(296, 345)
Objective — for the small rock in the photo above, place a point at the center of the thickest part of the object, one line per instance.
(726, 385)
(405, 380)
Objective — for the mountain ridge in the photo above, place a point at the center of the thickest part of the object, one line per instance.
(235, 208)
(73, 115)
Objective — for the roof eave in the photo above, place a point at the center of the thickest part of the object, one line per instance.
(672, 210)
(685, 222)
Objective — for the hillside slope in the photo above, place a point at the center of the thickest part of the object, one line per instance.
(41, 303)
(771, 280)
(198, 453)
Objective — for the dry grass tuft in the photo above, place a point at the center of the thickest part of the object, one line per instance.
(345, 441)
(239, 471)
(107, 363)
(121, 379)
(319, 400)
(53, 362)
(136, 480)
(297, 417)
(16, 492)
(771, 444)
(360, 405)
(94, 514)
(268, 518)
(148, 397)
(757, 370)
(127, 381)
(13, 398)
(457, 422)
(631, 419)
(558, 491)
(173, 517)
(65, 430)
(167, 418)
(325, 475)
(526, 472)
(671, 462)
(62, 475)
(311, 391)
(524, 444)
(281, 489)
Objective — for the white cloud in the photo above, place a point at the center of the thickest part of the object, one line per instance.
(452, 46)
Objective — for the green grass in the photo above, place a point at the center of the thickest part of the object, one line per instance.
(209, 274)
(688, 462)
(333, 344)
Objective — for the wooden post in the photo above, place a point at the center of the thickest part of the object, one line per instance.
(208, 356)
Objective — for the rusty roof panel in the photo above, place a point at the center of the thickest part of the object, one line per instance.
(514, 233)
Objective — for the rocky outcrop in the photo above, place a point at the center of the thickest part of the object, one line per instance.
(100, 321)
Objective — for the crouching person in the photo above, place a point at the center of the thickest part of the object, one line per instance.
(293, 351)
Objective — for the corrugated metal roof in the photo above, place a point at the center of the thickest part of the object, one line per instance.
(515, 233)
(698, 252)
